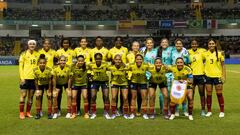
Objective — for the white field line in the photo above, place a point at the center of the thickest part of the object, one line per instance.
(233, 71)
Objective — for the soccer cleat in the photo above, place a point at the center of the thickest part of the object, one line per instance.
(73, 116)
(93, 116)
(190, 117)
(177, 114)
(78, 113)
(185, 114)
(152, 116)
(41, 113)
(55, 116)
(138, 114)
(21, 116)
(125, 116)
(107, 116)
(221, 115)
(132, 116)
(208, 114)
(113, 116)
(68, 115)
(59, 113)
(50, 116)
(118, 113)
(37, 116)
(203, 113)
(28, 115)
(145, 116)
(86, 116)
(172, 117)
(166, 117)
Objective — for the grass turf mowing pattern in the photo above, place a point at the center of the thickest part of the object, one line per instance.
(11, 124)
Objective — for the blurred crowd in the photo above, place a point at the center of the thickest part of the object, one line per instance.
(230, 44)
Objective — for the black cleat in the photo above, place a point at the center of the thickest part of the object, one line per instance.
(37, 116)
(49, 116)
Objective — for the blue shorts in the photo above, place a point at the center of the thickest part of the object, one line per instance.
(28, 85)
(213, 80)
(79, 87)
(97, 84)
(43, 87)
(62, 86)
(199, 79)
(120, 86)
(137, 86)
(161, 85)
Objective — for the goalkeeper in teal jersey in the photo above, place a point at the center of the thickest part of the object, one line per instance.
(180, 51)
(165, 52)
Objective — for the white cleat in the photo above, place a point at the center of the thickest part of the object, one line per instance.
(177, 114)
(113, 116)
(132, 116)
(59, 113)
(55, 116)
(190, 117)
(68, 116)
(145, 116)
(208, 114)
(221, 115)
(185, 114)
(118, 113)
(125, 116)
(172, 117)
(41, 113)
(93, 116)
(107, 116)
(152, 116)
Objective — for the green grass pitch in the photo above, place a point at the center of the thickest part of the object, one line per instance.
(10, 124)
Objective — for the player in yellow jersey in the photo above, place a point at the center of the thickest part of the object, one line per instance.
(43, 81)
(99, 79)
(182, 72)
(99, 48)
(138, 82)
(215, 76)
(27, 62)
(197, 66)
(158, 78)
(131, 54)
(61, 80)
(86, 52)
(79, 80)
(48, 52)
(66, 51)
(119, 81)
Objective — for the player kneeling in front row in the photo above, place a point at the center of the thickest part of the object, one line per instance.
(43, 76)
(182, 74)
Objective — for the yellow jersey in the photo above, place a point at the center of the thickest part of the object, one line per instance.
(213, 68)
(158, 77)
(183, 74)
(79, 76)
(42, 77)
(99, 73)
(103, 51)
(85, 52)
(131, 57)
(138, 74)
(62, 75)
(49, 55)
(123, 51)
(69, 54)
(196, 61)
(27, 62)
(119, 75)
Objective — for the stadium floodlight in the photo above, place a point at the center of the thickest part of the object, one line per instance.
(233, 24)
(1, 25)
(67, 25)
(34, 25)
(100, 25)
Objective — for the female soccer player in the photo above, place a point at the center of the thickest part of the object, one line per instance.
(197, 66)
(131, 54)
(48, 52)
(165, 52)
(99, 79)
(182, 72)
(139, 82)
(27, 62)
(180, 51)
(79, 80)
(215, 76)
(86, 52)
(150, 53)
(119, 81)
(69, 54)
(43, 76)
(99, 48)
(158, 78)
(61, 80)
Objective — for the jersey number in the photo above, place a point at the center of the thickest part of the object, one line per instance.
(211, 61)
(33, 61)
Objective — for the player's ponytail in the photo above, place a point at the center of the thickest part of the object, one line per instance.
(216, 50)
